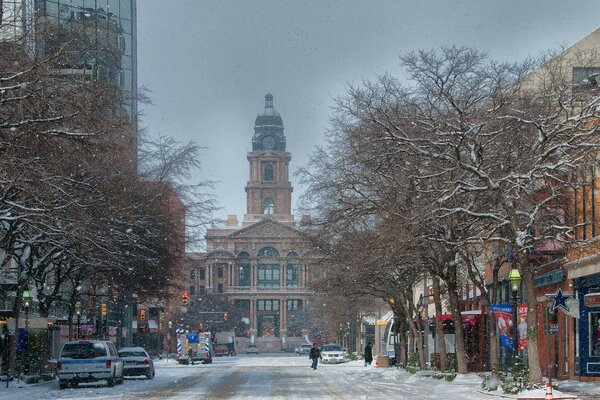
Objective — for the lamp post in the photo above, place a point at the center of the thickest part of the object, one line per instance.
(515, 283)
(78, 312)
(26, 305)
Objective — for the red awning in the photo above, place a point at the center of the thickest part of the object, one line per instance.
(468, 320)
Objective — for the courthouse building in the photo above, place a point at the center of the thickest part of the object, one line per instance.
(261, 266)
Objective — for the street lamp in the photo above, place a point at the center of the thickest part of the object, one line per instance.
(515, 283)
(26, 305)
(78, 312)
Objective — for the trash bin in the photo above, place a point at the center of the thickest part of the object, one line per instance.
(383, 361)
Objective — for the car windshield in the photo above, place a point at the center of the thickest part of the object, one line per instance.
(83, 350)
(332, 347)
(132, 353)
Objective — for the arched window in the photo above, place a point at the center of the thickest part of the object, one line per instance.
(292, 254)
(243, 255)
(244, 275)
(270, 252)
(268, 172)
(268, 206)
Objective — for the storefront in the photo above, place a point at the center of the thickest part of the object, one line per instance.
(587, 343)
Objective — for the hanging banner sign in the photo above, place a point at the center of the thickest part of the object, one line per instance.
(503, 314)
(522, 326)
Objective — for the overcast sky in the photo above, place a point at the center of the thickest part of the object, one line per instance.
(209, 63)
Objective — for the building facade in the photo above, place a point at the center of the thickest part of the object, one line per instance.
(260, 267)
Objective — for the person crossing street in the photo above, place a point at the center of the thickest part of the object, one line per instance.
(314, 355)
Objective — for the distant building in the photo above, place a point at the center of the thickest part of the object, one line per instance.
(262, 266)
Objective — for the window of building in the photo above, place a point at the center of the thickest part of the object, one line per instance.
(192, 290)
(220, 288)
(268, 275)
(220, 272)
(268, 206)
(193, 274)
(292, 276)
(269, 252)
(584, 205)
(202, 289)
(292, 254)
(268, 172)
(202, 274)
(243, 255)
(294, 305)
(594, 334)
(267, 305)
(244, 275)
(585, 77)
(241, 305)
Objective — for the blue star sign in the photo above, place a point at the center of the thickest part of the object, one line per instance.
(560, 300)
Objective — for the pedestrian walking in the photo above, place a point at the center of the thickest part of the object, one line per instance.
(368, 354)
(314, 355)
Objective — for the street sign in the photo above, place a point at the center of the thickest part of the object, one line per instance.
(553, 329)
(381, 323)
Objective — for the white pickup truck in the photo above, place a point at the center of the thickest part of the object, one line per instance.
(89, 361)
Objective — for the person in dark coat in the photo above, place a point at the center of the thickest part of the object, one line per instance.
(314, 355)
(368, 354)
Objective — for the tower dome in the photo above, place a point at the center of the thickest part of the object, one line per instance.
(269, 116)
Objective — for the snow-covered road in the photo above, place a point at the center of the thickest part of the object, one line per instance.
(265, 377)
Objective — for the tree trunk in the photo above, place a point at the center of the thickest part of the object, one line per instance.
(459, 345)
(415, 328)
(416, 333)
(439, 324)
(535, 371)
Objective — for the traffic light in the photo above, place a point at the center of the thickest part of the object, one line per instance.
(184, 298)
(142, 315)
(225, 316)
(201, 327)
(103, 310)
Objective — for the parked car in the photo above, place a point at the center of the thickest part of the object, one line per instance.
(88, 361)
(136, 361)
(332, 354)
(288, 349)
(303, 349)
(252, 349)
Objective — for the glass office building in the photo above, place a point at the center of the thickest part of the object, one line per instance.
(106, 35)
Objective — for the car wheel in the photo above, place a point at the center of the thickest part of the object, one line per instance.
(63, 384)
(110, 382)
(150, 375)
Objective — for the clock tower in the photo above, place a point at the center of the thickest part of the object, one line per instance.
(269, 191)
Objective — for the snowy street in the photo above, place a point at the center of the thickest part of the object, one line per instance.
(278, 376)
(270, 376)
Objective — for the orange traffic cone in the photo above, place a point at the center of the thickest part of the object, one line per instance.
(549, 395)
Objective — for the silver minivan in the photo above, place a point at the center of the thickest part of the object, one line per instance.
(89, 361)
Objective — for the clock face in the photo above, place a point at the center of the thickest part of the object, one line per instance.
(268, 142)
